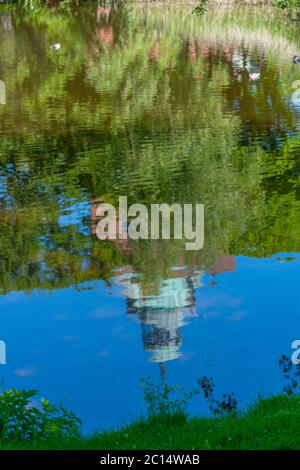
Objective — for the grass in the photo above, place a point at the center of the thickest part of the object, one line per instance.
(271, 423)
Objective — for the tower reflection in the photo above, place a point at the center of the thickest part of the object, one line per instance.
(163, 311)
(164, 308)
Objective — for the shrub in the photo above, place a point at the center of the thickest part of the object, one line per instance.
(20, 419)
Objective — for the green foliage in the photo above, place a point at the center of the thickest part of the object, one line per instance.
(21, 419)
(260, 427)
(283, 4)
(164, 401)
(168, 426)
(201, 8)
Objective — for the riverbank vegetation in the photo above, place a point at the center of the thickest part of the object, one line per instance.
(29, 423)
(259, 427)
(270, 424)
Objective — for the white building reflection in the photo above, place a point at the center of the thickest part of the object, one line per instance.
(163, 307)
(164, 311)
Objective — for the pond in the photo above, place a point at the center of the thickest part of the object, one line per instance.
(151, 102)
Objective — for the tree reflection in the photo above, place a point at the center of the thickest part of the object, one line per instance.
(136, 103)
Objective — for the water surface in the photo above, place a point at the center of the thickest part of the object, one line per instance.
(159, 105)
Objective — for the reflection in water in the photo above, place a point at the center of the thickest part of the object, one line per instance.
(163, 312)
(162, 106)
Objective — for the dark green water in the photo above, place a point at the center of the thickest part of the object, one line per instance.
(161, 106)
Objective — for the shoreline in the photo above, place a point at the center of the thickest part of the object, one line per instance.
(258, 428)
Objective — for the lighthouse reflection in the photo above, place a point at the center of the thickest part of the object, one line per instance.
(165, 307)
(163, 310)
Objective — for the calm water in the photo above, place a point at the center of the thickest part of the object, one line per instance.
(161, 106)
